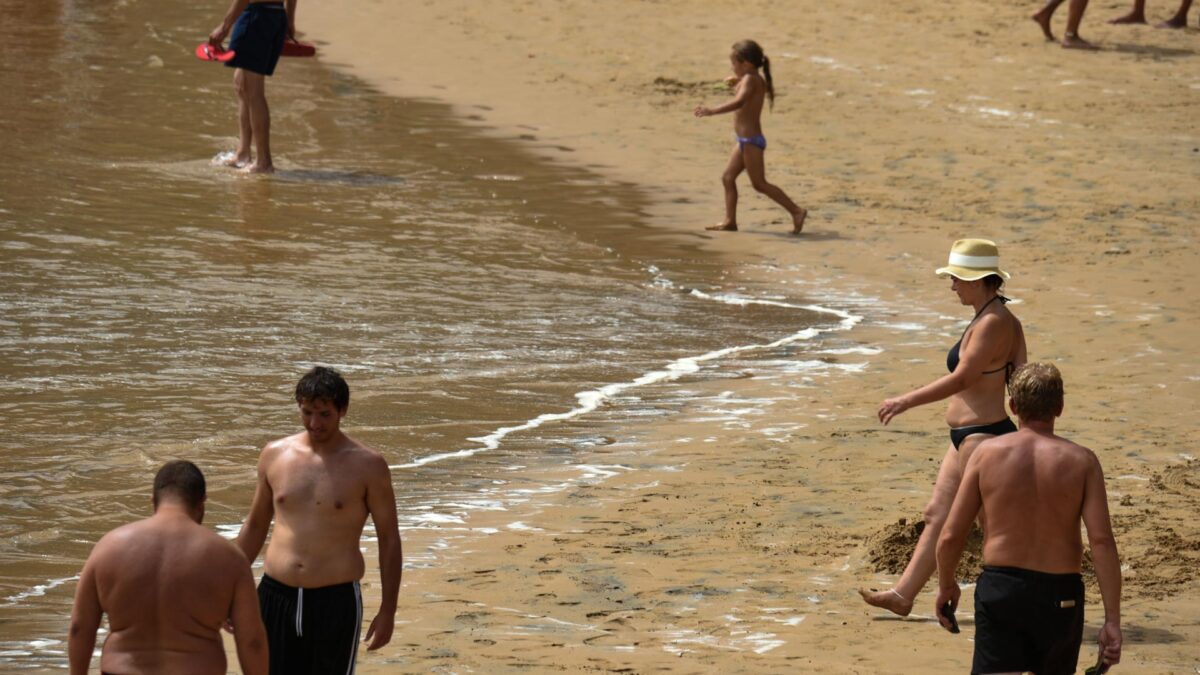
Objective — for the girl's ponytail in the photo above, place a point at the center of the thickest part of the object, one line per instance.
(770, 85)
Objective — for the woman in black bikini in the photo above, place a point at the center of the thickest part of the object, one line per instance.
(992, 345)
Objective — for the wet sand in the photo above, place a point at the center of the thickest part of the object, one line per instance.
(901, 128)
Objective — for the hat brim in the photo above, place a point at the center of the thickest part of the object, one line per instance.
(969, 273)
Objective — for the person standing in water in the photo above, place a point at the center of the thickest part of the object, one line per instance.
(751, 89)
(1071, 39)
(991, 346)
(319, 486)
(259, 29)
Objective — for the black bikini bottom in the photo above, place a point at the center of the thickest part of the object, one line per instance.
(959, 434)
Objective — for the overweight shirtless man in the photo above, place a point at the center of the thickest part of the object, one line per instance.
(319, 486)
(1033, 488)
(167, 583)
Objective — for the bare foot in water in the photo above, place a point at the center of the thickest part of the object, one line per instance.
(725, 226)
(798, 220)
(889, 600)
(1132, 17)
(232, 160)
(255, 168)
(1043, 19)
(1073, 41)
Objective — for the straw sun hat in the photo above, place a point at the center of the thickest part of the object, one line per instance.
(972, 259)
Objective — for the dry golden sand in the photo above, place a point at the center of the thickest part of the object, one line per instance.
(902, 126)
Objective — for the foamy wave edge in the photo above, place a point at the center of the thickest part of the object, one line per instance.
(592, 399)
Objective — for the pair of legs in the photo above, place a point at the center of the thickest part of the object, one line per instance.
(1138, 15)
(1071, 39)
(899, 599)
(254, 122)
(749, 158)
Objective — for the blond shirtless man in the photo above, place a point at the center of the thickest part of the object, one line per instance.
(167, 583)
(1031, 490)
(319, 486)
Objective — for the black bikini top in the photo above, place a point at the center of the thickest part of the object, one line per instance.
(952, 355)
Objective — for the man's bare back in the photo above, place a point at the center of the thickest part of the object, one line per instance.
(1031, 489)
(167, 584)
(1033, 486)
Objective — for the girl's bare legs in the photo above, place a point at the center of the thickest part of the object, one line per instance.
(1071, 39)
(255, 91)
(899, 599)
(1044, 15)
(1135, 15)
(729, 181)
(752, 157)
(245, 133)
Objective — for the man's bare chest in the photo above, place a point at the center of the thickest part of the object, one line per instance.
(308, 487)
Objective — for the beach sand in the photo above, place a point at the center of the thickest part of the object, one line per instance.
(901, 127)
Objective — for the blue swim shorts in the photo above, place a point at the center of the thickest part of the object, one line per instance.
(257, 38)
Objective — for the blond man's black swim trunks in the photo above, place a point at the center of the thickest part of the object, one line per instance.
(1027, 621)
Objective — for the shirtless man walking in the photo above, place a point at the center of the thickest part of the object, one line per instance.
(1033, 488)
(319, 486)
(167, 584)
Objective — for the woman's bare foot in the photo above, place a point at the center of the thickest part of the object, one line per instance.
(232, 159)
(1132, 17)
(1073, 41)
(1174, 22)
(1043, 19)
(255, 168)
(724, 226)
(889, 600)
(798, 220)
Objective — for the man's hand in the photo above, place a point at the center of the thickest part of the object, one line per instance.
(380, 632)
(217, 37)
(1110, 642)
(946, 595)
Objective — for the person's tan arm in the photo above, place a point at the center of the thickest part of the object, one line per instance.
(217, 36)
(290, 6)
(85, 620)
(740, 98)
(973, 358)
(262, 509)
(1104, 558)
(381, 502)
(953, 539)
(250, 636)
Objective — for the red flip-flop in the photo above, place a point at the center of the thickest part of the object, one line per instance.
(208, 52)
(293, 47)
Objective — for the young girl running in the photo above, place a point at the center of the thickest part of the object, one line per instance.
(747, 57)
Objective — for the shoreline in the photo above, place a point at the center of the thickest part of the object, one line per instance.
(902, 164)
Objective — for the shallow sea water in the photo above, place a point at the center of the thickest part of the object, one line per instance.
(480, 300)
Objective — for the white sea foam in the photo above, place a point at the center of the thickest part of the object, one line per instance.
(38, 590)
(590, 400)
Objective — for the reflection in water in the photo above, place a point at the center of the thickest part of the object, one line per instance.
(156, 307)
